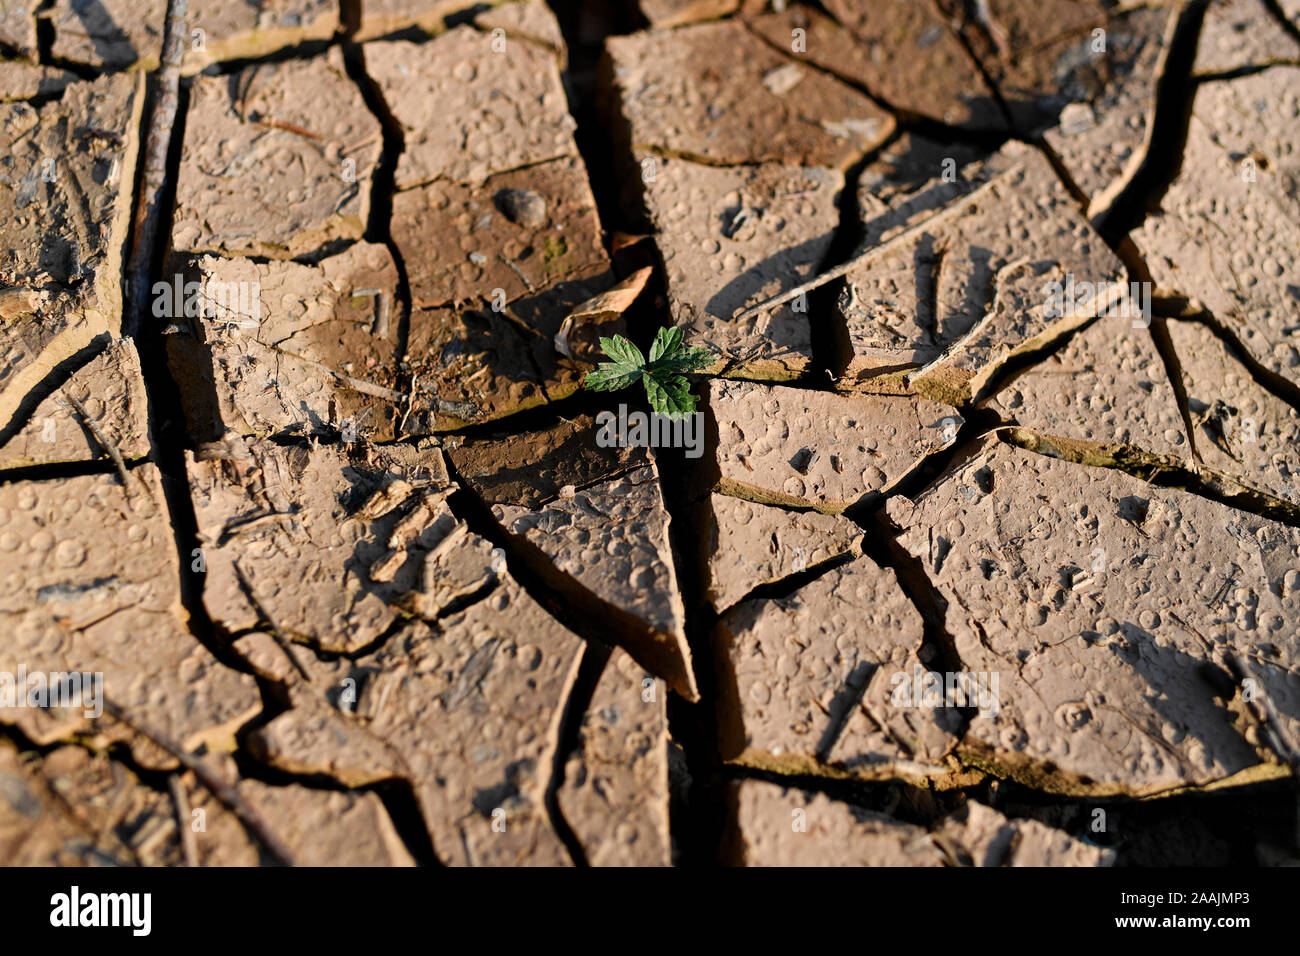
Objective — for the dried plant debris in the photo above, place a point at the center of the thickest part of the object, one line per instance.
(68, 171)
(1120, 622)
(787, 446)
(117, 34)
(93, 588)
(277, 161)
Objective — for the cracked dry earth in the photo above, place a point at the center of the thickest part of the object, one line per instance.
(332, 519)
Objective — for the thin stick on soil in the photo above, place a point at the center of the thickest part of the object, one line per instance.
(188, 846)
(223, 791)
(105, 442)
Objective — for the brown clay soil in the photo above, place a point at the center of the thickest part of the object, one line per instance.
(984, 549)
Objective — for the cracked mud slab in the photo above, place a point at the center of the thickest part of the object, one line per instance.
(328, 549)
(530, 469)
(93, 586)
(111, 390)
(532, 21)
(1114, 615)
(1105, 119)
(751, 545)
(959, 290)
(788, 827)
(18, 26)
(472, 367)
(1228, 229)
(733, 237)
(802, 686)
(676, 13)
(615, 790)
(475, 366)
(1107, 384)
(383, 17)
(75, 807)
(807, 449)
(1242, 33)
(980, 836)
(319, 827)
(69, 808)
(469, 111)
(69, 167)
(277, 161)
(752, 114)
(785, 827)
(115, 34)
(268, 348)
(612, 538)
(1241, 428)
(1039, 54)
(902, 52)
(472, 709)
(522, 232)
(20, 80)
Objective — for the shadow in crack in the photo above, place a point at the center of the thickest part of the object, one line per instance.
(110, 42)
(1183, 694)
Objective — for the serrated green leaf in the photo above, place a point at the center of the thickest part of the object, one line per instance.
(670, 395)
(667, 342)
(611, 376)
(622, 351)
(689, 359)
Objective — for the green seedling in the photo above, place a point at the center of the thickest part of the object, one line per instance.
(664, 376)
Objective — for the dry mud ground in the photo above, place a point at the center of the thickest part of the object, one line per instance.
(986, 550)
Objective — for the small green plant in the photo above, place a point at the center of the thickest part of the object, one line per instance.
(664, 376)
